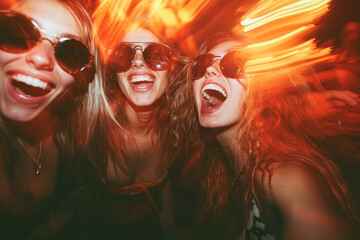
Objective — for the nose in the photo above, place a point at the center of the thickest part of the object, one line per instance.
(41, 56)
(213, 69)
(138, 61)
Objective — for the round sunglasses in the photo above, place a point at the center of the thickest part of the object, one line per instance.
(20, 33)
(231, 66)
(157, 56)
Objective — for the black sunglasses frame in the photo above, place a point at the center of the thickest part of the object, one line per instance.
(36, 39)
(209, 59)
(130, 57)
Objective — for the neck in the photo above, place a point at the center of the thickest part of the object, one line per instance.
(226, 137)
(141, 119)
(34, 131)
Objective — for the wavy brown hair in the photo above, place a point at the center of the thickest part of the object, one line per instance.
(275, 128)
(206, 177)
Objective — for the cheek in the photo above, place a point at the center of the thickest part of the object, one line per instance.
(3, 55)
(2, 72)
(8, 58)
(163, 78)
(2, 59)
(67, 80)
(238, 112)
(196, 88)
(121, 82)
(237, 101)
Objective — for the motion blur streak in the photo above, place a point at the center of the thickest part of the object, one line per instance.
(278, 34)
(114, 18)
(273, 10)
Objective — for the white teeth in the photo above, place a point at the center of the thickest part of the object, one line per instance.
(205, 95)
(214, 87)
(141, 78)
(35, 82)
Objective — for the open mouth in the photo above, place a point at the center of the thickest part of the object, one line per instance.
(213, 96)
(141, 81)
(29, 86)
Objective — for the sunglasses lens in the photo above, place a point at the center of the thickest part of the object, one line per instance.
(157, 57)
(72, 55)
(199, 66)
(18, 34)
(121, 57)
(231, 65)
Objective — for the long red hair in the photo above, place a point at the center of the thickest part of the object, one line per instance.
(275, 127)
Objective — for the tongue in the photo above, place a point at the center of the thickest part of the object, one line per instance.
(29, 90)
(142, 84)
(215, 99)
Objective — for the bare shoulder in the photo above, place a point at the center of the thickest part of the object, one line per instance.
(287, 182)
(305, 202)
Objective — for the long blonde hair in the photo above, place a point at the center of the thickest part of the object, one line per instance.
(109, 122)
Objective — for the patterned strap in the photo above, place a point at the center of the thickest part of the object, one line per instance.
(256, 229)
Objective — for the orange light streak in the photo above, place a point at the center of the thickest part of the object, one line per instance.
(279, 40)
(113, 18)
(315, 8)
(278, 33)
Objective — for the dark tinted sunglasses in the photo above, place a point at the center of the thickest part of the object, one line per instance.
(231, 66)
(157, 56)
(20, 33)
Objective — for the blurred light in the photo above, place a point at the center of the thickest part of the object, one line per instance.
(113, 18)
(278, 34)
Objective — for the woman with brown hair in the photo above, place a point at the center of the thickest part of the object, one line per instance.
(258, 166)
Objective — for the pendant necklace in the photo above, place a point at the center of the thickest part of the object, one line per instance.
(36, 160)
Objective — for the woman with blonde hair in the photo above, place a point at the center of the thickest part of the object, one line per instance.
(48, 61)
(133, 145)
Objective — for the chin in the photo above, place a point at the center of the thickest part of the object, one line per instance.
(19, 117)
(217, 122)
(20, 114)
(210, 123)
(143, 103)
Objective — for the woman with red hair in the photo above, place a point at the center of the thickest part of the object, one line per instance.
(258, 166)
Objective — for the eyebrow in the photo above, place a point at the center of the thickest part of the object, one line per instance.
(42, 30)
(138, 43)
(62, 35)
(69, 35)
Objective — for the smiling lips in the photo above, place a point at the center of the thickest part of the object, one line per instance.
(214, 96)
(28, 89)
(141, 83)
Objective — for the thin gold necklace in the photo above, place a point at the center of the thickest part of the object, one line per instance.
(36, 160)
